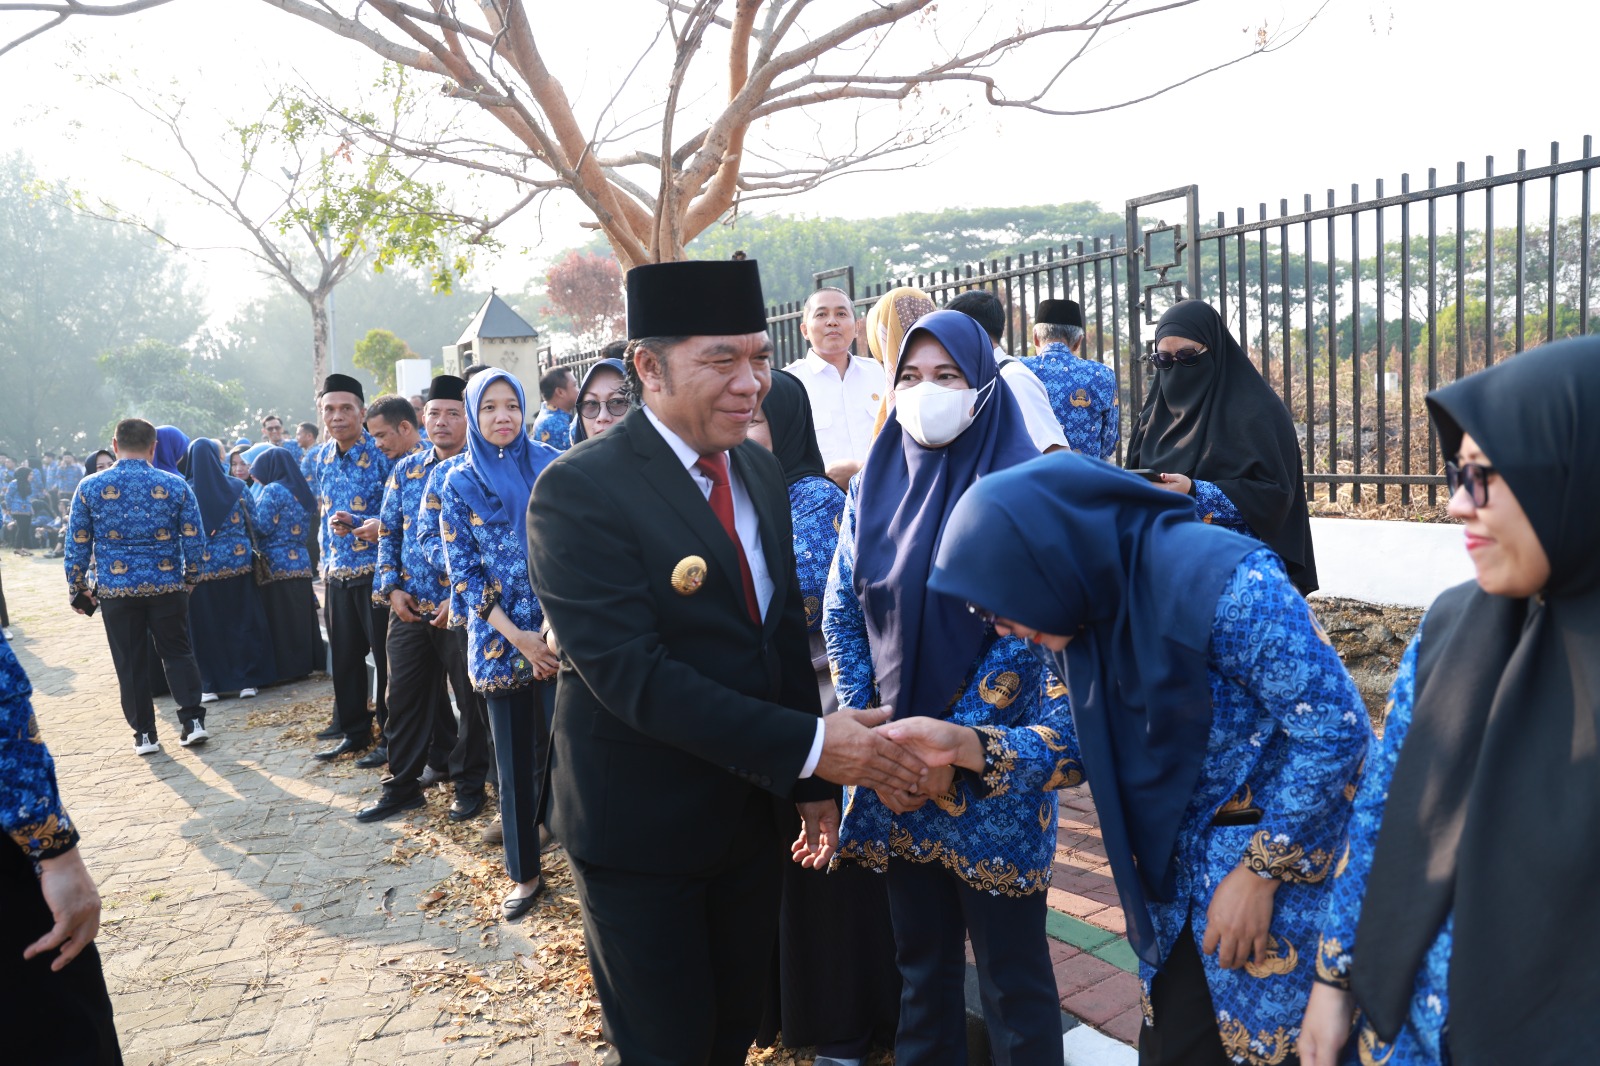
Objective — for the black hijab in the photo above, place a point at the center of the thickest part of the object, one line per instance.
(93, 461)
(1494, 809)
(1220, 422)
(794, 434)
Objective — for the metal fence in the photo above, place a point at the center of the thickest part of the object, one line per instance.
(1352, 312)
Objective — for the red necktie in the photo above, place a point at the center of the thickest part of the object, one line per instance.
(715, 467)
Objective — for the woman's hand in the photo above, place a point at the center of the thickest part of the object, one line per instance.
(1326, 1025)
(537, 652)
(1174, 483)
(74, 903)
(1239, 918)
(937, 783)
(937, 742)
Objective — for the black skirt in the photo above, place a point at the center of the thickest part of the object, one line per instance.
(232, 643)
(297, 646)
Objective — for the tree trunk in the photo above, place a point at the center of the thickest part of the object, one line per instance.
(319, 339)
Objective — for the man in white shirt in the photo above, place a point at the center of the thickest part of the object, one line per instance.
(845, 390)
(986, 309)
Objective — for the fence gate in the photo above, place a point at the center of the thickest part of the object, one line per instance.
(1154, 253)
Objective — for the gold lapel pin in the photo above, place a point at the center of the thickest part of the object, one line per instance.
(689, 575)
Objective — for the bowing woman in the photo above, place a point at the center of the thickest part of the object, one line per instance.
(228, 626)
(1212, 429)
(1462, 922)
(1220, 734)
(483, 523)
(972, 854)
(284, 507)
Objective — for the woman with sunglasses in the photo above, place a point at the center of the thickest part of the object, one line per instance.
(1212, 429)
(971, 853)
(1219, 732)
(603, 399)
(1462, 926)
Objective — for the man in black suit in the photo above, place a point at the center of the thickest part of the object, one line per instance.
(686, 706)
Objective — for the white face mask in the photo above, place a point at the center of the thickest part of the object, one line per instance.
(935, 415)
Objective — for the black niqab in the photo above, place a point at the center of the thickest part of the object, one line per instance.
(794, 434)
(1494, 810)
(1220, 422)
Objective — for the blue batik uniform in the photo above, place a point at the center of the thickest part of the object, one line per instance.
(151, 546)
(428, 538)
(350, 482)
(292, 446)
(996, 831)
(553, 427)
(30, 803)
(281, 524)
(403, 564)
(227, 551)
(1422, 1040)
(817, 507)
(67, 477)
(1083, 395)
(1214, 508)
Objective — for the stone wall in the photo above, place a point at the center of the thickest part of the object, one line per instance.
(1371, 640)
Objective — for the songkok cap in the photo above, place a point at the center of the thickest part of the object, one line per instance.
(1058, 313)
(447, 387)
(342, 383)
(700, 298)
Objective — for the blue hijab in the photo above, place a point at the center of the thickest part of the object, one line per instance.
(502, 478)
(277, 466)
(924, 643)
(578, 432)
(1073, 546)
(216, 490)
(171, 445)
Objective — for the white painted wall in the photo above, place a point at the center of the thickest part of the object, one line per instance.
(1398, 564)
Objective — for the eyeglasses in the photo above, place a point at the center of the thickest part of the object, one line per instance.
(1475, 476)
(616, 407)
(1184, 356)
(986, 617)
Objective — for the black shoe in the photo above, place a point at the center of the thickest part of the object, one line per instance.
(344, 747)
(467, 805)
(513, 908)
(431, 777)
(389, 806)
(330, 732)
(378, 756)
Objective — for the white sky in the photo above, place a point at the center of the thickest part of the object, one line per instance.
(1374, 88)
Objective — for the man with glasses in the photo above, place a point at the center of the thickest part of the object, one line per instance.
(1083, 394)
(558, 395)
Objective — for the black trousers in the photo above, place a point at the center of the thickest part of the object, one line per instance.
(520, 720)
(682, 963)
(934, 912)
(422, 728)
(357, 626)
(132, 623)
(1185, 1030)
(469, 761)
(50, 1019)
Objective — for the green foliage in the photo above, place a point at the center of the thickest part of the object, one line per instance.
(378, 352)
(165, 385)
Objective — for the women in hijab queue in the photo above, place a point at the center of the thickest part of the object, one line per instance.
(972, 855)
(1462, 920)
(837, 988)
(603, 399)
(1213, 429)
(283, 511)
(227, 625)
(887, 323)
(172, 450)
(1220, 735)
(483, 522)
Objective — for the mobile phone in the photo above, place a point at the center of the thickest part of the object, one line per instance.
(85, 603)
(1148, 475)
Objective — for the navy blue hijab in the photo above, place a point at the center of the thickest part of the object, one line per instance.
(502, 478)
(277, 466)
(579, 433)
(215, 489)
(172, 444)
(924, 643)
(1070, 545)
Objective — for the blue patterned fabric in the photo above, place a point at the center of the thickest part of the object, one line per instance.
(402, 561)
(995, 830)
(350, 482)
(292, 446)
(227, 551)
(67, 477)
(19, 505)
(309, 462)
(817, 506)
(1214, 508)
(30, 804)
(1083, 395)
(1288, 735)
(488, 565)
(427, 527)
(1422, 1039)
(143, 526)
(281, 526)
(553, 427)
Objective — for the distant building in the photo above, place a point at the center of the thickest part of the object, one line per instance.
(497, 336)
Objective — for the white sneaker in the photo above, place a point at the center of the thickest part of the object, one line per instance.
(7, 632)
(208, 697)
(246, 693)
(196, 735)
(146, 745)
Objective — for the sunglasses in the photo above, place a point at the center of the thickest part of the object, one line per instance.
(1474, 476)
(616, 407)
(1183, 356)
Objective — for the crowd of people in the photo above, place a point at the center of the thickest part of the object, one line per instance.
(794, 663)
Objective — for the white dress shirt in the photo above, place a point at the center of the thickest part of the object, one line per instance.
(842, 408)
(1034, 399)
(748, 526)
